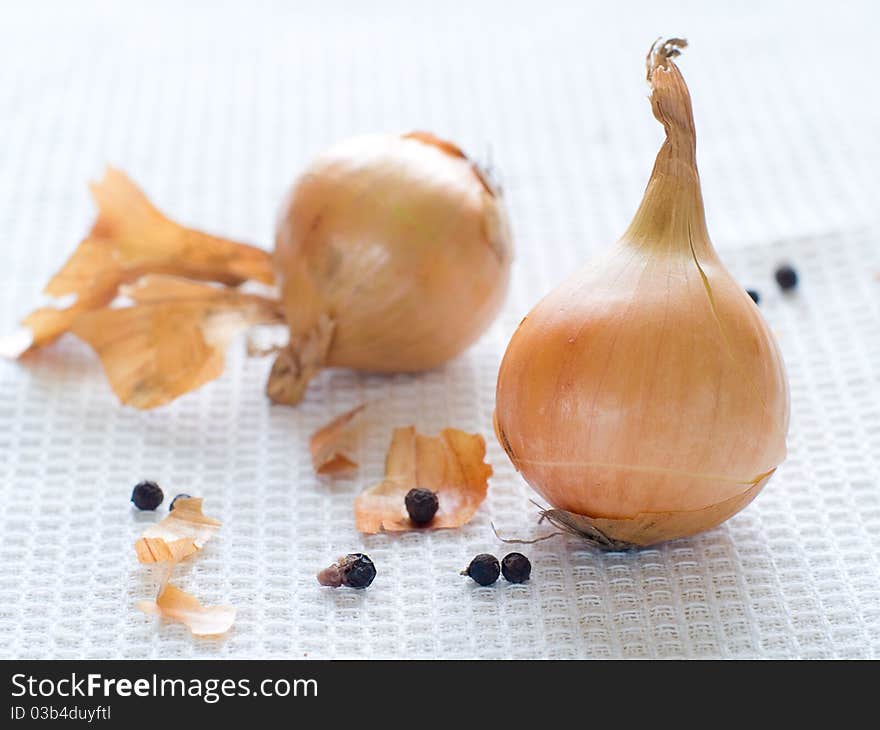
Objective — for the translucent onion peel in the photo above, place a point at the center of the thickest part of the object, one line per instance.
(172, 339)
(159, 550)
(177, 605)
(393, 254)
(130, 239)
(183, 532)
(184, 526)
(646, 398)
(330, 443)
(452, 465)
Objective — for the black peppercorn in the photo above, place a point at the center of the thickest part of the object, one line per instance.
(355, 570)
(484, 569)
(786, 277)
(422, 505)
(179, 496)
(516, 568)
(147, 495)
(754, 295)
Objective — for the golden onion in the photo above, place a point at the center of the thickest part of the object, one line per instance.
(645, 398)
(393, 254)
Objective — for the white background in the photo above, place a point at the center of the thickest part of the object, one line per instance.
(214, 107)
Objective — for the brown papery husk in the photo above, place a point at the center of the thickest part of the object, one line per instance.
(452, 465)
(646, 391)
(183, 532)
(131, 239)
(331, 445)
(174, 604)
(393, 254)
(159, 550)
(172, 339)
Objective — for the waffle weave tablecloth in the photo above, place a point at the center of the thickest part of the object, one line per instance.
(214, 107)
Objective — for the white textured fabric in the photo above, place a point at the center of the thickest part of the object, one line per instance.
(214, 107)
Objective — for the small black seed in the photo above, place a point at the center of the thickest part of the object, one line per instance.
(356, 570)
(147, 495)
(754, 295)
(484, 569)
(516, 568)
(179, 496)
(422, 505)
(786, 277)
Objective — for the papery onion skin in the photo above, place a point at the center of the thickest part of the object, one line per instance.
(647, 394)
(393, 254)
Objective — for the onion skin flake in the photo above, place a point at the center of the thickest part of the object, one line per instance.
(177, 605)
(329, 444)
(172, 339)
(131, 239)
(452, 465)
(183, 532)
